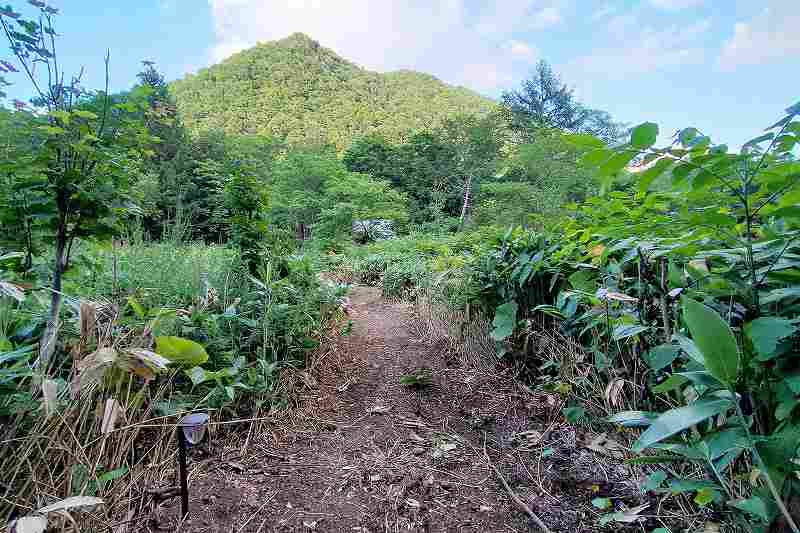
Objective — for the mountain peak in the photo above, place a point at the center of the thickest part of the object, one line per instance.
(297, 90)
(298, 40)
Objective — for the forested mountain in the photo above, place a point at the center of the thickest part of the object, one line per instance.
(301, 92)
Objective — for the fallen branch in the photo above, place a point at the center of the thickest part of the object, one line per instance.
(516, 499)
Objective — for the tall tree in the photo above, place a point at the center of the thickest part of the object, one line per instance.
(475, 144)
(544, 101)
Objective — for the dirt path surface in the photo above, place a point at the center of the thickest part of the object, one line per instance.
(365, 453)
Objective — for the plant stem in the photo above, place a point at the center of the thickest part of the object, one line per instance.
(772, 488)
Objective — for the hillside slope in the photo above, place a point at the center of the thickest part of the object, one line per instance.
(298, 90)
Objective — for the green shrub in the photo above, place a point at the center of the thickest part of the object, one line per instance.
(403, 279)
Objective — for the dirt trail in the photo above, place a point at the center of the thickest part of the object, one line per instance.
(373, 455)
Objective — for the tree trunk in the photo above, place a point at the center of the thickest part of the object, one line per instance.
(68, 254)
(50, 337)
(467, 203)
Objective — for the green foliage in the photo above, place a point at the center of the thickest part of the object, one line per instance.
(355, 199)
(302, 93)
(698, 224)
(545, 102)
(182, 351)
(715, 341)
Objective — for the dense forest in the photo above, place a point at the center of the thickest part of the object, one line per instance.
(187, 245)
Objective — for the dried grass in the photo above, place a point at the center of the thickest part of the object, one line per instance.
(464, 334)
(61, 454)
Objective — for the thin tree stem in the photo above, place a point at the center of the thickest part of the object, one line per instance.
(765, 472)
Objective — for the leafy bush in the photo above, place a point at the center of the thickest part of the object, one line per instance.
(724, 232)
(403, 279)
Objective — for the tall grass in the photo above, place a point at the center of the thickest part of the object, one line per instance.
(167, 273)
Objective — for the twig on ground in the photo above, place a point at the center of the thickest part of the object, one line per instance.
(269, 499)
(516, 499)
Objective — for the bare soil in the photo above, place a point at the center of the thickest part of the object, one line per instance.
(362, 452)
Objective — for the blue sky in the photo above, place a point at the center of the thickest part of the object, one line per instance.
(728, 67)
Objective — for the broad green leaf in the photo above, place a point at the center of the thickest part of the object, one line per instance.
(677, 420)
(617, 162)
(655, 459)
(137, 308)
(574, 414)
(765, 332)
(714, 339)
(724, 441)
(777, 295)
(705, 496)
(595, 158)
(180, 350)
(584, 140)
(655, 480)
(505, 320)
(702, 377)
(661, 356)
(583, 280)
(628, 516)
(674, 382)
(681, 486)
(793, 382)
(680, 173)
(784, 409)
(628, 330)
(602, 503)
(686, 135)
(198, 375)
(61, 115)
(647, 177)
(754, 506)
(644, 135)
(690, 348)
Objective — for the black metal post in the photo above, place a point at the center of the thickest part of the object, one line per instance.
(182, 473)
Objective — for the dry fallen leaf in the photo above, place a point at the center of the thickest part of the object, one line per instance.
(380, 409)
(411, 502)
(614, 392)
(609, 447)
(630, 515)
(111, 412)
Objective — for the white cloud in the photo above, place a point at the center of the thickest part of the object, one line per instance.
(522, 50)
(636, 51)
(674, 5)
(437, 37)
(771, 35)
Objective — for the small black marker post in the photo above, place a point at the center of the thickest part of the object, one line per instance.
(191, 430)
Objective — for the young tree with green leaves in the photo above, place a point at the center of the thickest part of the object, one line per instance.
(297, 187)
(92, 149)
(475, 144)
